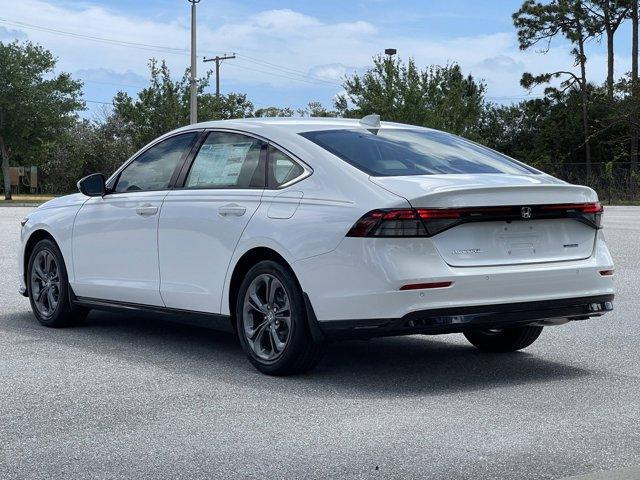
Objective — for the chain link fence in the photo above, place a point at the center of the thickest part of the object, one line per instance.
(615, 182)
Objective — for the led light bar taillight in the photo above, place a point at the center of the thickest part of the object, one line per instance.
(426, 222)
(577, 207)
(419, 222)
(404, 222)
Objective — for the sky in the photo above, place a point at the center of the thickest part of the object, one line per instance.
(288, 52)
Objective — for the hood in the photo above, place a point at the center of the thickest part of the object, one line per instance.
(65, 201)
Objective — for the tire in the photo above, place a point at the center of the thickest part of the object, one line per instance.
(274, 343)
(48, 287)
(504, 340)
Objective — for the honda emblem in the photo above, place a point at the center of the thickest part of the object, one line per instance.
(525, 213)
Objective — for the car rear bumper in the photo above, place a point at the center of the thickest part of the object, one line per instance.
(460, 319)
(364, 278)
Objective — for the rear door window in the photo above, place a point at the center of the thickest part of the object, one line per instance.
(228, 160)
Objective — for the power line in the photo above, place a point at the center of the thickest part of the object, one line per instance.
(288, 70)
(109, 41)
(275, 74)
(291, 74)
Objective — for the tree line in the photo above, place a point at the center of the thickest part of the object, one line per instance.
(579, 130)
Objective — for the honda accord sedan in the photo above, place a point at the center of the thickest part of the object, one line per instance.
(295, 232)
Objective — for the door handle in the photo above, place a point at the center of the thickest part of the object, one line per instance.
(232, 210)
(146, 210)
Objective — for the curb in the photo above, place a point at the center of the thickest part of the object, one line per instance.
(20, 204)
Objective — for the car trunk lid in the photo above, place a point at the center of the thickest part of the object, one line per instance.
(508, 219)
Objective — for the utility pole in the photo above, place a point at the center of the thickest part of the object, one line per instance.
(635, 88)
(194, 87)
(219, 59)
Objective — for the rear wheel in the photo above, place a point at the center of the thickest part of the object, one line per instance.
(272, 321)
(503, 339)
(48, 287)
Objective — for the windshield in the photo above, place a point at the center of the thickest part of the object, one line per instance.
(397, 152)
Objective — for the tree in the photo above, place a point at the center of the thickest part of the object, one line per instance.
(609, 15)
(316, 109)
(164, 105)
(540, 23)
(87, 147)
(438, 96)
(224, 107)
(274, 112)
(36, 106)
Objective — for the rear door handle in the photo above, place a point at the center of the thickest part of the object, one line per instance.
(146, 210)
(232, 210)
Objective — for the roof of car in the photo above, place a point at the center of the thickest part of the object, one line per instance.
(289, 124)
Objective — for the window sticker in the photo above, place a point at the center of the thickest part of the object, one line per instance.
(219, 164)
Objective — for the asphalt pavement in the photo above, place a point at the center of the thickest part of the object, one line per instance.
(129, 397)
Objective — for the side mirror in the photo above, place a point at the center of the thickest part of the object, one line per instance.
(93, 185)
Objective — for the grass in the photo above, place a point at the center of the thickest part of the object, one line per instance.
(621, 203)
(27, 198)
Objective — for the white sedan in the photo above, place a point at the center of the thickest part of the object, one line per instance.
(294, 232)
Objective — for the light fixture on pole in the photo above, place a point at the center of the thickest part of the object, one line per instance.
(193, 104)
(390, 51)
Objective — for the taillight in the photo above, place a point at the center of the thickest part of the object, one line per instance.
(389, 223)
(590, 213)
(426, 222)
(578, 207)
(404, 222)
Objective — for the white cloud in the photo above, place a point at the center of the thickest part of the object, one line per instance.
(298, 44)
(105, 75)
(334, 72)
(284, 19)
(11, 34)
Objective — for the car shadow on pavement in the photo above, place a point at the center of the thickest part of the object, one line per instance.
(424, 365)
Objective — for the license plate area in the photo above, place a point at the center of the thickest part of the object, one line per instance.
(507, 243)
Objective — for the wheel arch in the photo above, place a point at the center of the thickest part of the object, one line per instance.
(242, 266)
(35, 236)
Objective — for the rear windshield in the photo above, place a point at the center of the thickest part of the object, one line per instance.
(397, 152)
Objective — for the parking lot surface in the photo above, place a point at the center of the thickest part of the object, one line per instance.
(129, 397)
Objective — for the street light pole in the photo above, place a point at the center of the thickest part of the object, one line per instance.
(194, 88)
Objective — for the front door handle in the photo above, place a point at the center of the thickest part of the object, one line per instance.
(231, 210)
(146, 210)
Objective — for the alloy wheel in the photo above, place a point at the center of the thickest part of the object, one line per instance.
(266, 317)
(45, 283)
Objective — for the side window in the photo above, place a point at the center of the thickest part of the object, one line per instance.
(228, 160)
(281, 168)
(152, 170)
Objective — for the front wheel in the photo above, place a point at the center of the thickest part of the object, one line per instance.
(48, 287)
(271, 321)
(503, 339)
